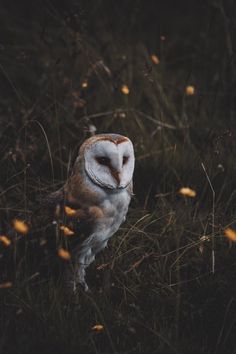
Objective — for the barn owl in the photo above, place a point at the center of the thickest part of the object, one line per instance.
(96, 198)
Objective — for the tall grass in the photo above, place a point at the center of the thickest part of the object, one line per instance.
(166, 282)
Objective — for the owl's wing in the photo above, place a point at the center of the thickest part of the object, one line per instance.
(74, 218)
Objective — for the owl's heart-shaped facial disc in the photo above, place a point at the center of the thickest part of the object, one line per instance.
(109, 160)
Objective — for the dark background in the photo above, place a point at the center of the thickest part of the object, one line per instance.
(156, 292)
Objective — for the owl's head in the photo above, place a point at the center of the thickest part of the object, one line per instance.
(108, 160)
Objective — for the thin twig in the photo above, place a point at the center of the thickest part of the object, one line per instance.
(48, 146)
(132, 110)
(12, 84)
(213, 218)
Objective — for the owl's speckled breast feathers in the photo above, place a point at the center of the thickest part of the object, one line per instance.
(99, 192)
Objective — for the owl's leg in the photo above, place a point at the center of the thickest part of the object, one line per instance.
(79, 278)
(82, 259)
(75, 279)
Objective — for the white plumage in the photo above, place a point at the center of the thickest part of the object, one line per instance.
(99, 190)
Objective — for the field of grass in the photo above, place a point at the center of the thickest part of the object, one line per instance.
(166, 282)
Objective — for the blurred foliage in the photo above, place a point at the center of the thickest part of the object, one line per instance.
(69, 69)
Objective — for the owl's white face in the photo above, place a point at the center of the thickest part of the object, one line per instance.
(109, 161)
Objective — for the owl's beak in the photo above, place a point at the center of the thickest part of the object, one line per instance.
(116, 175)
